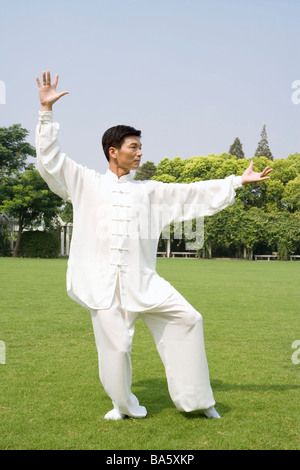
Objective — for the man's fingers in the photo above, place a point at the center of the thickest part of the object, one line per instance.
(48, 78)
(55, 80)
(266, 171)
(38, 81)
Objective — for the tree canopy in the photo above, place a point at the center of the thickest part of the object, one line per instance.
(146, 171)
(265, 216)
(14, 150)
(28, 199)
(24, 195)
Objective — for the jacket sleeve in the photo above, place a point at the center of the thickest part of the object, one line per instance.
(60, 172)
(199, 199)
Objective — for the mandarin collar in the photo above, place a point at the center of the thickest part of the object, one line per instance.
(113, 177)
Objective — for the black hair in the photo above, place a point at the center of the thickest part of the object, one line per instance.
(114, 137)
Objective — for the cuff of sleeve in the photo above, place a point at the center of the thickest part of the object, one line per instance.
(45, 116)
(237, 182)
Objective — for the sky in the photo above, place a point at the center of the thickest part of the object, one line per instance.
(191, 74)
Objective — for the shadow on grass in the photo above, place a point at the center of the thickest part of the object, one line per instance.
(221, 386)
(154, 395)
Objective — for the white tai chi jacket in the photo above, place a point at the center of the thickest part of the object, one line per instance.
(117, 223)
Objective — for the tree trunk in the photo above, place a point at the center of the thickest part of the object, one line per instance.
(16, 247)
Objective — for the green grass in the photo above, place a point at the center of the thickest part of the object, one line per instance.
(51, 396)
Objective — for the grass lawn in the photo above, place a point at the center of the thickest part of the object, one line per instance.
(51, 396)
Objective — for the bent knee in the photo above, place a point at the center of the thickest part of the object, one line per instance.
(193, 318)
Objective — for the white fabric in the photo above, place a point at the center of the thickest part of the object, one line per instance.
(116, 226)
(177, 330)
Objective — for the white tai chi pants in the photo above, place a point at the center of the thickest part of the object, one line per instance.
(177, 330)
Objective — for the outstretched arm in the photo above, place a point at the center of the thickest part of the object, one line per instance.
(48, 93)
(250, 176)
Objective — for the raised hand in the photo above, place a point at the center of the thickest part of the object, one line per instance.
(250, 176)
(48, 93)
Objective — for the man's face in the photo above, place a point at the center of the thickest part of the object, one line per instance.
(128, 157)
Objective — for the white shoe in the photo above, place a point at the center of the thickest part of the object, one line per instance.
(114, 415)
(211, 413)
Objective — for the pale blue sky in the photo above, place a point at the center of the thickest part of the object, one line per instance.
(191, 74)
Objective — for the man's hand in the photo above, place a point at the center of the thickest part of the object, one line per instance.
(48, 94)
(250, 176)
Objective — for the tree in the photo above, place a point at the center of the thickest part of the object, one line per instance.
(283, 233)
(284, 170)
(170, 168)
(236, 149)
(235, 229)
(29, 200)
(291, 195)
(263, 149)
(274, 194)
(14, 151)
(66, 212)
(186, 171)
(147, 170)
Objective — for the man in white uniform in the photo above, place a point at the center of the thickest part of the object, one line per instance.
(117, 222)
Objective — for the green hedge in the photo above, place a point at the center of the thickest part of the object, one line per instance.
(39, 245)
(5, 249)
